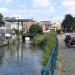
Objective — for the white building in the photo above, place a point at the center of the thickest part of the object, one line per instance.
(56, 25)
(11, 24)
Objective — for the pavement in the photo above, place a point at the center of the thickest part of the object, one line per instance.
(66, 58)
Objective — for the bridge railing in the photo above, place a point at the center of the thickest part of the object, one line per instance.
(51, 66)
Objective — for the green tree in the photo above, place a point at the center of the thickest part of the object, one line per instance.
(35, 29)
(73, 25)
(67, 24)
(2, 23)
(16, 31)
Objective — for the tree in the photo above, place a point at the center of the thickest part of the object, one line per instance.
(16, 31)
(67, 24)
(74, 25)
(2, 23)
(35, 29)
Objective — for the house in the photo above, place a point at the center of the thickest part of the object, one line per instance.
(56, 25)
(12, 22)
(46, 25)
(27, 25)
(16, 23)
(4, 30)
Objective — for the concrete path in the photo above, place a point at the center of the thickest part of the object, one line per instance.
(66, 58)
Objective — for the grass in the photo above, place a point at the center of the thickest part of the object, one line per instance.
(47, 42)
(50, 43)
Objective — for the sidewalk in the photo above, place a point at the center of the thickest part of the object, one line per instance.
(66, 58)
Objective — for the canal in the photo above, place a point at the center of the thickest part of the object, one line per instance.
(20, 59)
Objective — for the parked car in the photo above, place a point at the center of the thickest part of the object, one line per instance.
(69, 41)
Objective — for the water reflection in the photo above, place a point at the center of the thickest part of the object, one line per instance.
(19, 53)
(20, 59)
(2, 54)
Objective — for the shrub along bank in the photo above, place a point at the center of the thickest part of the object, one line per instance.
(47, 41)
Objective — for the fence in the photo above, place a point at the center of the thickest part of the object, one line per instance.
(51, 66)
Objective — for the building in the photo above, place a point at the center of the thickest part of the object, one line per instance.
(11, 23)
(15, 23)
(27, 25)
(56, 25)
(5, 32)
(46, 25)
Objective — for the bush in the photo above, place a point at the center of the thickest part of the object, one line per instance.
(37, 39)
(50, 43)
(40, 40)
(47, 42)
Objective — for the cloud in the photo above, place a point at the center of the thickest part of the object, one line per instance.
(22, 6)
(57, 18)
(70, 5)
(44, 6)
(41, 3)
(6, 1)
(50, 10)
(16, 15)
(40, 9)
(4, 10)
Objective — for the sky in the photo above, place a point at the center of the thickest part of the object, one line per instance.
(37, 9)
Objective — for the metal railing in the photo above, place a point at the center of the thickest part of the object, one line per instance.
(51, 66)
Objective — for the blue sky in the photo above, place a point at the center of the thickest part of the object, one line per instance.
(37, 9)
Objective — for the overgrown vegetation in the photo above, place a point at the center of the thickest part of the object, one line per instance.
(47, 41)
(48, 48)
(40, 39)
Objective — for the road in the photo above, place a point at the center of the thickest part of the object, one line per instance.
(66, 58)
